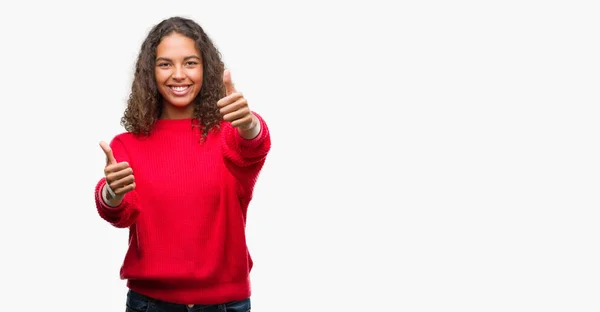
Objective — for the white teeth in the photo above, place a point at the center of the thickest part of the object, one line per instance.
(179, 88)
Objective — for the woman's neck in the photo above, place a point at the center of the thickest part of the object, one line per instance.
(173, 112)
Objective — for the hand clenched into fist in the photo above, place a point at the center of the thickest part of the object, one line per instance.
(234, 108)
(119, 177)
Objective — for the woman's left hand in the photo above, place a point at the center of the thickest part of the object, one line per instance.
(234, 107)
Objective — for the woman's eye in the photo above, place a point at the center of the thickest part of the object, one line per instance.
(191, 63)
(163, 65)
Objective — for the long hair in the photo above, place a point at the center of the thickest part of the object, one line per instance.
(144, 105)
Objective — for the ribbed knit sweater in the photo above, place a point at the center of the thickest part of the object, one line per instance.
(187, 214)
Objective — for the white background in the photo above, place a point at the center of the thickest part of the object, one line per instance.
(427, 155)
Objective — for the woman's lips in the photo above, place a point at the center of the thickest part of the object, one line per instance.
(179, 90)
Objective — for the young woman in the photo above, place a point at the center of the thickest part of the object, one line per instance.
(182, 176)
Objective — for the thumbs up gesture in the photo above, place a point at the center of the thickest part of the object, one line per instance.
(119, 176)
(234, 107)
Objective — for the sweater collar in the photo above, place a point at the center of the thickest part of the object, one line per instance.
(176, 124)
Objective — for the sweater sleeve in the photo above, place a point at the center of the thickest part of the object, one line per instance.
(245, 157)
(125, 214)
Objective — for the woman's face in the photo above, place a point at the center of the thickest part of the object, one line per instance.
(178, 71)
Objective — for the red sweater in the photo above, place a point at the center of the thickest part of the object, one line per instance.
(187, 215)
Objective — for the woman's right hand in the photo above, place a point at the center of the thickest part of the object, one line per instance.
(119, 177)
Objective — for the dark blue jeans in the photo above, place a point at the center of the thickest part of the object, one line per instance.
(137, 302)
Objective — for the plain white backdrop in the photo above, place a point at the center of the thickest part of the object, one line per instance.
(427, 155)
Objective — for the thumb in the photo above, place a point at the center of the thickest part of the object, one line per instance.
(229, 87)
(110, 159)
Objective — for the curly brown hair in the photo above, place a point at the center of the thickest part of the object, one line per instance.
(144, 105)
